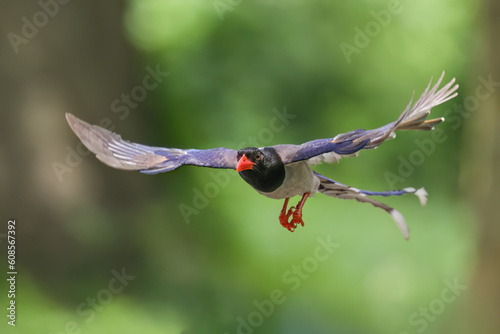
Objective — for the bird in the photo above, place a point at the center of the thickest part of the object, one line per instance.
(280, 171)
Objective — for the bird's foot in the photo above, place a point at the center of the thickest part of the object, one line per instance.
(284, 219)
(296, 218)
(295, 212)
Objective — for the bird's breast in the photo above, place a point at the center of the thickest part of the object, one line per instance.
(299, 179)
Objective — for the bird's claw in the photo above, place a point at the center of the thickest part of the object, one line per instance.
(296, 219)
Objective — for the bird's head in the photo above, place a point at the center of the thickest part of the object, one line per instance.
(248, 158)
(262, 168)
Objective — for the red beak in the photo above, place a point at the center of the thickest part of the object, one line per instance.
(244, 163)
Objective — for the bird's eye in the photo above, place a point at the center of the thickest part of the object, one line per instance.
(258, 156)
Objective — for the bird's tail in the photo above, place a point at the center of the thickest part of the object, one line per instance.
(333, 188)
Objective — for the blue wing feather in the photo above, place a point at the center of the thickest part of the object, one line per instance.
(112, 150)
(319, 146)
(412, 118)
(174, 158)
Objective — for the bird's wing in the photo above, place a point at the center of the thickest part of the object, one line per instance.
(113, 151)
(348, 144)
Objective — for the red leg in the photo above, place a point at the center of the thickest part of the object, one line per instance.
(284, 216)
(295, 212)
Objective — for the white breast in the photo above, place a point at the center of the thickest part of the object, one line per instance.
(299, 179)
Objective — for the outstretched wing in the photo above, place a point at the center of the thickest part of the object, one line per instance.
(413, 118)
(113, 151)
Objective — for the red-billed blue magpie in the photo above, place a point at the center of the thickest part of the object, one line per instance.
(280, 171)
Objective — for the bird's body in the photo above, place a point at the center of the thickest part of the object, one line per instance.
(280, 171)
(299, 179)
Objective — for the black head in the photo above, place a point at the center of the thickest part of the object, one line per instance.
(261, 168)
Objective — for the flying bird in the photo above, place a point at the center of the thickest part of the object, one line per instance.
(279, 171)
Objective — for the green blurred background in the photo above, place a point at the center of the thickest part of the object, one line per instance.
(228, 266)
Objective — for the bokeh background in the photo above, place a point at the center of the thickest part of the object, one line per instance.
(199, 251)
